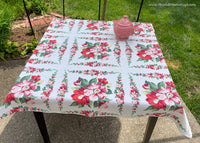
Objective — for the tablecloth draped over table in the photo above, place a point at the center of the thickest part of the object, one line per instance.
(80, 68)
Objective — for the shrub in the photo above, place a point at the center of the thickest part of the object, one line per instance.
(37, 6)
(6, 18)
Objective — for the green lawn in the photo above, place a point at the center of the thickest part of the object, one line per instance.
(177, 29)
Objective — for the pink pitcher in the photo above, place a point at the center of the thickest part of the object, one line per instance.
(123, 28)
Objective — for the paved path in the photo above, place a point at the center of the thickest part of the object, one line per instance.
(22, 128)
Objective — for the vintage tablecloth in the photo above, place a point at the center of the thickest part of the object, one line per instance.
(80, 68)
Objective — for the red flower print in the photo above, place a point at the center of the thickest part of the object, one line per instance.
(16, 109)
(35, 52)
(52, 41)
(156, 45)
(179, 110)
(31, 60)
(30, 101)
(85, 44)
(137, 27)
(152, 99)
(104, 44)
(63, 87)
(151, 66)
(80, 97)
(120, 94)
(103, 80)
(10, 97)
(77, 83)
(86, 113)
(87, 53)
(48, 91)
(143, 55)
(146, 86)
(157, 114)
(35, 78)
(103, 104)
(92, 26)
(170, 84)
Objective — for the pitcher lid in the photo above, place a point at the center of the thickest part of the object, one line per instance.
(124, 21)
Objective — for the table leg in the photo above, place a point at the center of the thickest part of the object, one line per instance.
(149, 128)
(42, 126)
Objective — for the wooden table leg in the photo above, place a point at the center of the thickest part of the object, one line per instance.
(42, 126)
(149, 128)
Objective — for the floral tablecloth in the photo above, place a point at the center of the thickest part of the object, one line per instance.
(80, 68)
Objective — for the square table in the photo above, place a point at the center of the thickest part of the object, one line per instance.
(80, 68)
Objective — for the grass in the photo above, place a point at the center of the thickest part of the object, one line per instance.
(177, 29)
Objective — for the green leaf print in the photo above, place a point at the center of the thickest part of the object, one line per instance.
(84, 82)
(74, 104)
(94, 80)
(25, 78)
(142, 46)
(109, 91)
(161, 84)
(153, 86)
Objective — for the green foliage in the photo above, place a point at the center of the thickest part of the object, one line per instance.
(29, 47)
(6, 47)
(11, 49)
(37, 6)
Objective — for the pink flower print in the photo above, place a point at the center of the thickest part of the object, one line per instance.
(64, 83)
(61, 91)
(128, 51)
(156, 67)
(103, 104)
(100, 113)
(153, 52)
(105, 58)
(95, 64)
(95, 91)
(45, 98)
(135, 102)
(48, 91)
(169, 95)
(99, 50)
(120, 94)
(119, 101)
(119, 85)
(60, 99)
(50, 82)
(132, 86)
(30, 101)
(134, 94)
(24, 88)
(44, 49)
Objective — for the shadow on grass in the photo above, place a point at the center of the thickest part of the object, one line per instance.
(22, 128)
